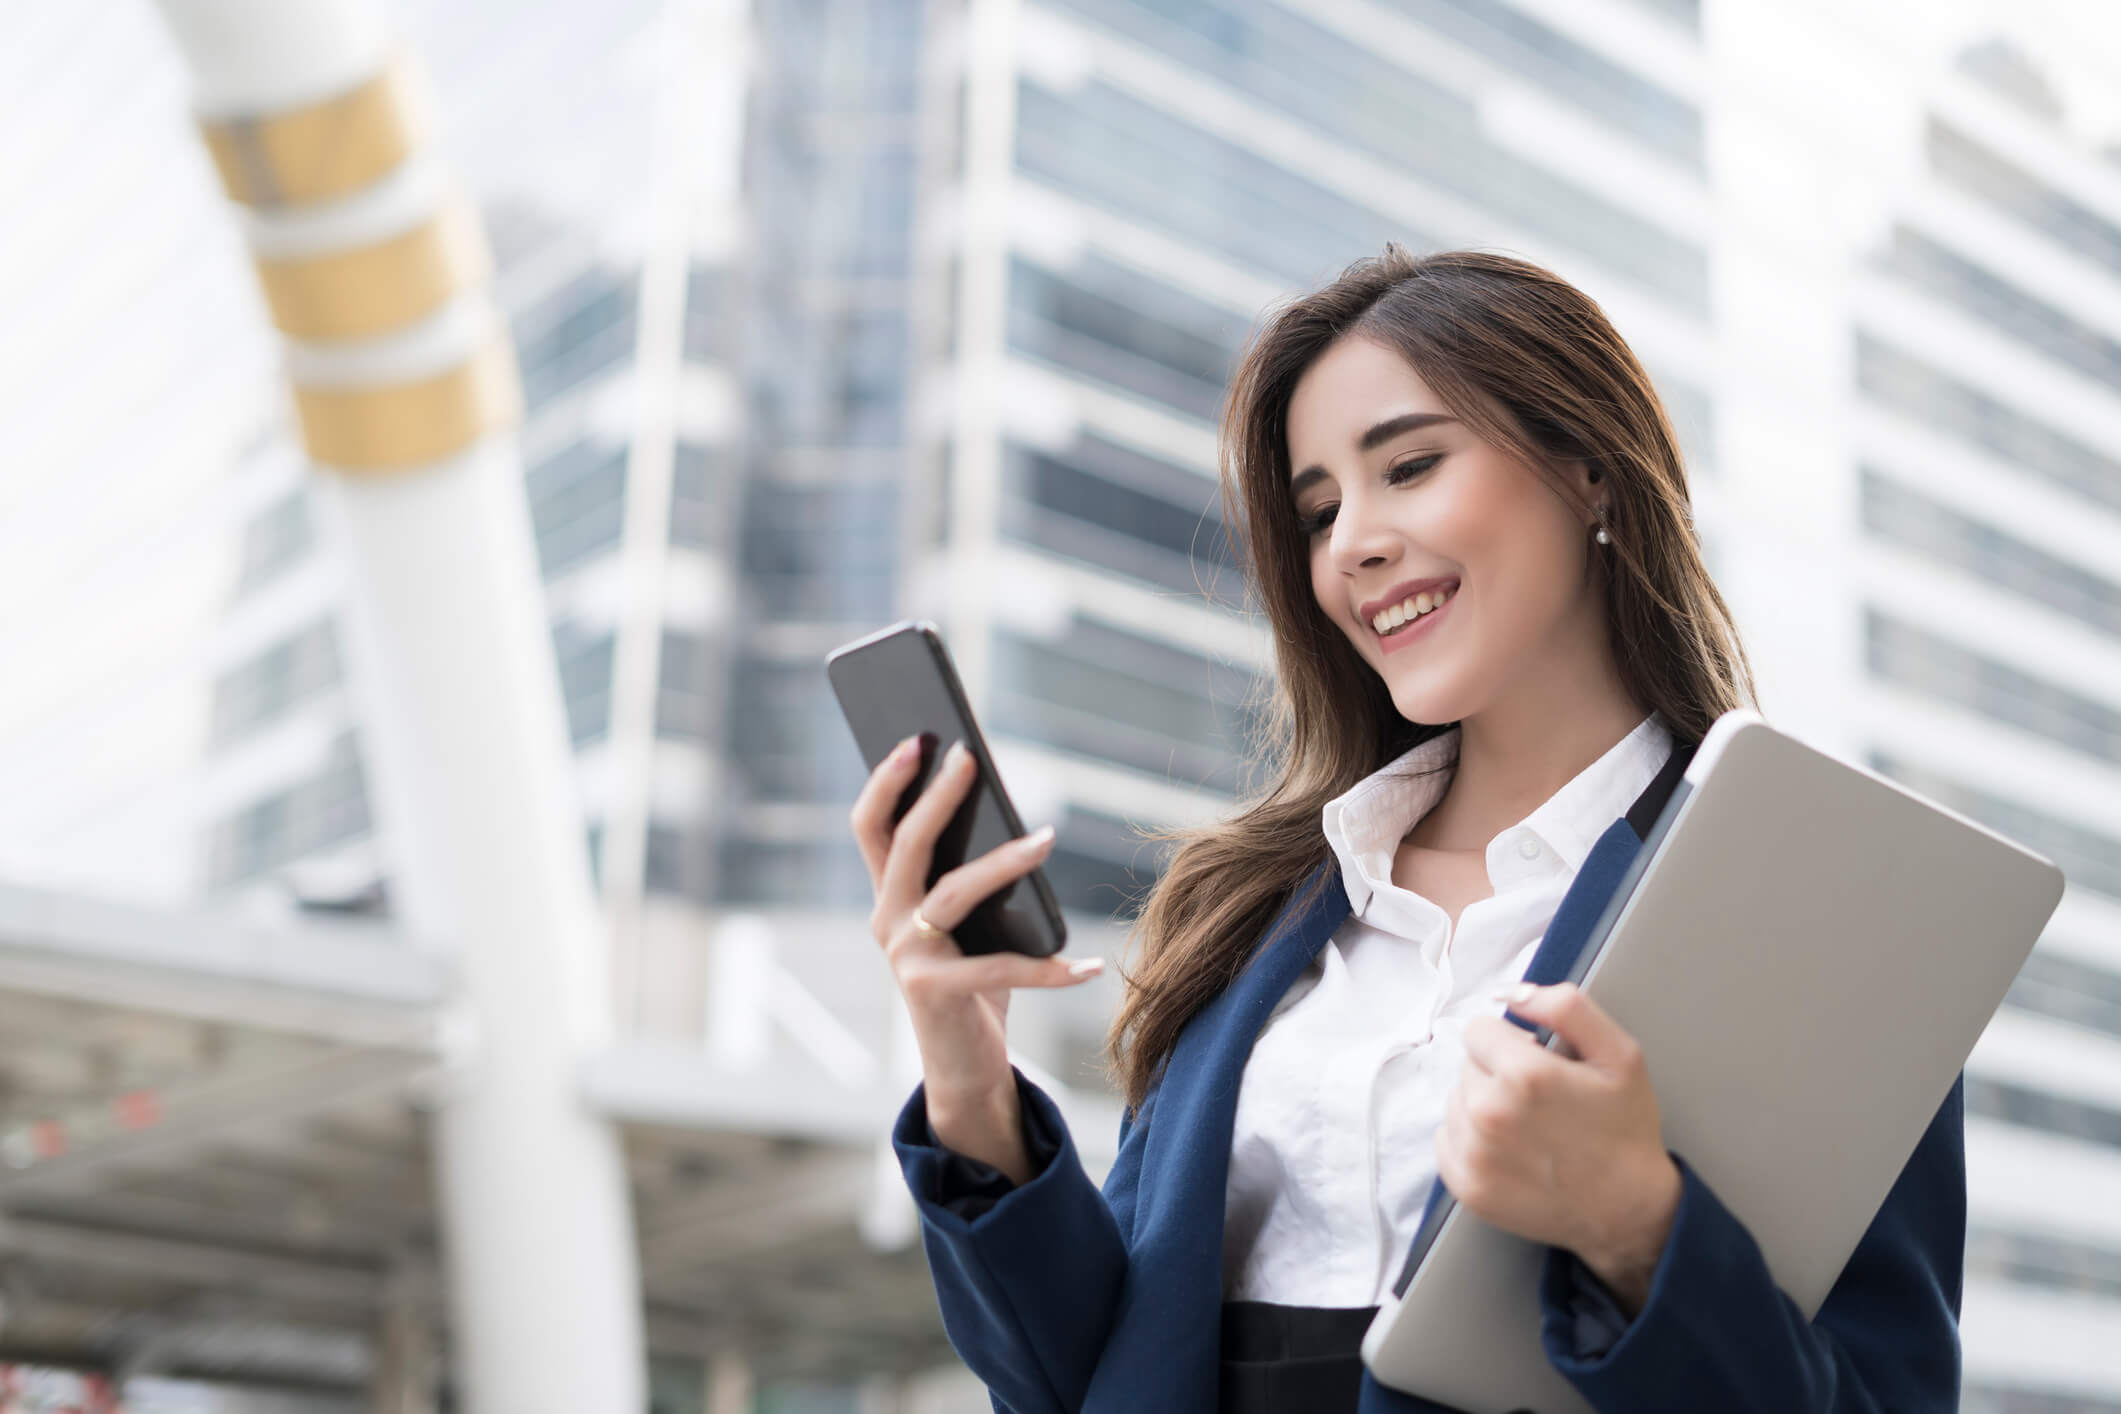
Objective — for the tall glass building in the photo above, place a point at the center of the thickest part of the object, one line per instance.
(966, 363)
(1987, 369)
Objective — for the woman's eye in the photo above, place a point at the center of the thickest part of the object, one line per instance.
(1411, 468)
(1321, 520)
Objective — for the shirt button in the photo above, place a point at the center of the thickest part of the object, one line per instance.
(1528, 847)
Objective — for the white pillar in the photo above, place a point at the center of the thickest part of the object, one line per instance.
(469, 763)
(405, 387)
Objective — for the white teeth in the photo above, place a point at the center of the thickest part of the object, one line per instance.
(1387, 620)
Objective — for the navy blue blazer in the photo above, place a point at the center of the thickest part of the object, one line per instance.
(1063, 1298)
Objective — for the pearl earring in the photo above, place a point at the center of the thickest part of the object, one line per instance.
(1601, 537)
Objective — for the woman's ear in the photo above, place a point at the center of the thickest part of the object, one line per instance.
(1587, 485)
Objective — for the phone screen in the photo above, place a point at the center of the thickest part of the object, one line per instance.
(898, 684)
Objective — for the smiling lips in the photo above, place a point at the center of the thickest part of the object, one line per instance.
(1408, 603)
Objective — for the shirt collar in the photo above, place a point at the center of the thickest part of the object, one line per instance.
(1365, 823)
(1576, 815)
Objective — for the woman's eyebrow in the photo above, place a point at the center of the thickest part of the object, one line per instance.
(1393, 426)
(1378, 434)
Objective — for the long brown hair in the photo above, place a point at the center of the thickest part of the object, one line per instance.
(1534, 367)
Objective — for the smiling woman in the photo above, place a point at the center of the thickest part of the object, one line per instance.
(1462, 507)
(1457, 410)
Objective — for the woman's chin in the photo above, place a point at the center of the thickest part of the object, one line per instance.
(1425, 705)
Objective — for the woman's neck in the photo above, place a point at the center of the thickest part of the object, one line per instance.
(1519, 751)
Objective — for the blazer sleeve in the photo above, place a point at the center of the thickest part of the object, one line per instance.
(1717, 1333)
(1028, 1277)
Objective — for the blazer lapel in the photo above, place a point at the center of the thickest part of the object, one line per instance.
(1605, 870)
(1167, 1336)
(1197, 1104)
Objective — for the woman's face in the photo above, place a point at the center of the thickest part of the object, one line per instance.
(1403, 502)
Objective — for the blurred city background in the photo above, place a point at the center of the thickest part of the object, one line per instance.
(831, 312)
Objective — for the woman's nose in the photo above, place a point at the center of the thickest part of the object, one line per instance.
(1359, 538)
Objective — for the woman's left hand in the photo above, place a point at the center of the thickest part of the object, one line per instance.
(1567, 1152)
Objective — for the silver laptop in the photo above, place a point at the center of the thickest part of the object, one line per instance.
(1807, 953)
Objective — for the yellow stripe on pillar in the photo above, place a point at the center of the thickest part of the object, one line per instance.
(318, 153)
(356, 294)
(399, 426)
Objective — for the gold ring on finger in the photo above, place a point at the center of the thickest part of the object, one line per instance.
(926, 929)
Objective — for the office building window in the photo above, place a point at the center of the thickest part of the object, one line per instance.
(2087, 858)
(1978, 1398)
(710, 313)
(1100, 865)
(2028, 1259)
(1559, 66)
(275, 540)
(1280, 60)
(1134, 158)
(1893, 512)
(2068, 990)
(2043, 1110)
(1111, 694)
(695, 474)
(821, 552)
(1137, 335)
(329, 808)
(1273, 53)
(1136, 161)
(1115, 508)
(577, 504)
(1975, 169)
(2001, 305)
(254, 694)
(685, 700)
(676, 861)
(580, 330)
(584, 659)
(1943, 404)
(823, 873)
(1914, 658)
(786, 740)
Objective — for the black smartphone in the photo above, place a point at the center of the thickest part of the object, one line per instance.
(898, 682)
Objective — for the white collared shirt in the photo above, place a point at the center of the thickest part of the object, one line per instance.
(1333, 1152)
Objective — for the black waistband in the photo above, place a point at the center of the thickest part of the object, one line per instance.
(1286, 1359)
(1258, 1330)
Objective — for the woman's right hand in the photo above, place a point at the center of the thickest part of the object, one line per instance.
(959, 1004)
